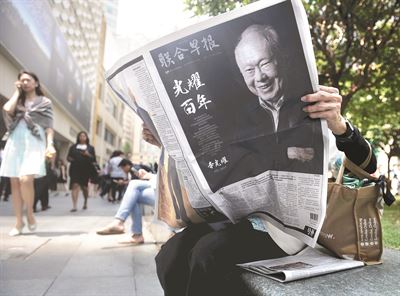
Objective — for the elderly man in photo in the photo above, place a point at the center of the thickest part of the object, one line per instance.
(259, 59)
(277, 115)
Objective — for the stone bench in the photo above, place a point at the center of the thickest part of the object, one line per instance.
(379, 280)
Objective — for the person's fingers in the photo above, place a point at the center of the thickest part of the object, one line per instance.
(321, 96)
(329, 89)
(324, 115)
(322, 106)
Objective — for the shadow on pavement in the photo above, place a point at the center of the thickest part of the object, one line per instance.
(55, 233)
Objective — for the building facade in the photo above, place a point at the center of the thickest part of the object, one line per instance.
(63, 42)
(116, 46)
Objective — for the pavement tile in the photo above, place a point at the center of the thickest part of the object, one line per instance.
(31, 287)
(66, 257)
(95, 286)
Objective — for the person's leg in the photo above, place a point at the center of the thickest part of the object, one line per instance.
(40, 192)
(45, 195)
(2, 185)
(147, 197)
(212, 261)
(7, 191)
(113, 190)
(36, 189)
(172, 260)
(129, 200)
(28, 194)
(85, 192)
(127, 205)
(74, 195)
(17, 202)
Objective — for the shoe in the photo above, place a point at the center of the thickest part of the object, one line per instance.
(110, 230)
(16, 231)
(137, 239)
(32, 227)
(84, 207)
(73, 210)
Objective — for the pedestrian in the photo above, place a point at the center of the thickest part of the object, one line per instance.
(81, 155)
(5, 186)
(41, 186)
(139, 191)
(28, 115)
(116, 174)
(105, 181)
(61, 176)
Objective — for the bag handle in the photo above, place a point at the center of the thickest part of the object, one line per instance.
(381, 181)
(368, 159)
(356, 170)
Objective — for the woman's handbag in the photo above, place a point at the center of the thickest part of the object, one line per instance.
(352, 227)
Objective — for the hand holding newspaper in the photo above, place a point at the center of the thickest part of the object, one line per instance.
(223, 98)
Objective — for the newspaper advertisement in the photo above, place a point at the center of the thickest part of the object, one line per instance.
(223, 96)
(308, 263)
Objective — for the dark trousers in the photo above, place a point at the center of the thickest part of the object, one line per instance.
(115, 187)
(5, 186)
(41, 192)
(201, 261)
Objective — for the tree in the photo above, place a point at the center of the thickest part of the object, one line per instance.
(356, 42)
(127, 148)
(356, 45)
(212, 7)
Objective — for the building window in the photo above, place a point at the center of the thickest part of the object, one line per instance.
(112, 107)
(98, 127)
(109, 136)
(101, 91)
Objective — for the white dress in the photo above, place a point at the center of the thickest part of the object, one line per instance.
(24, 154)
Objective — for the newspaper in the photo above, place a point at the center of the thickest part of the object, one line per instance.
(223, 97)
(308, 263)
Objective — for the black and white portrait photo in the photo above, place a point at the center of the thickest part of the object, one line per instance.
(236, 89)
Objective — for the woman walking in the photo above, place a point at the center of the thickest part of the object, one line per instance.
(28, 115)
(81, 156)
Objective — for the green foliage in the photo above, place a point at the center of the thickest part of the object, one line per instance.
(127, 148)
(212, 7)
(391, 225)
(356, 44)
(357, 49)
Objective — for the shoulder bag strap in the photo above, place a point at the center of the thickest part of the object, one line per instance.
(358, 171)
(368, 159)
(381, 182)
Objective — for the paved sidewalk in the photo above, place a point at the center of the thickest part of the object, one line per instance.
(66, 257)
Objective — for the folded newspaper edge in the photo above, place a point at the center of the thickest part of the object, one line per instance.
(139, 80)
(308, 263)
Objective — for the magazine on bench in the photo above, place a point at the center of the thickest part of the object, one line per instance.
(308, 263)
(223, 97)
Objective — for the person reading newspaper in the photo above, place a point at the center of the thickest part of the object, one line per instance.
(202, 258)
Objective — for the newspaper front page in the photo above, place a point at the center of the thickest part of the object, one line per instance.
(308, 263)
(223, 97)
